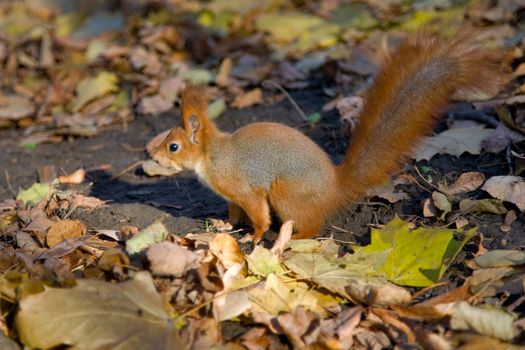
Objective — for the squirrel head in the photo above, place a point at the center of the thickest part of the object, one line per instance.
(184, 148)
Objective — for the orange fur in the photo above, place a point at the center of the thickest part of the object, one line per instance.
(268, 165)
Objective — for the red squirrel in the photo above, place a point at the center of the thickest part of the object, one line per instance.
(270, 165)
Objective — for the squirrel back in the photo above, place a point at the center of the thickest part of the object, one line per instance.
(409, 93)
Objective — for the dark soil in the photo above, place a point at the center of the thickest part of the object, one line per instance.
(184, 204)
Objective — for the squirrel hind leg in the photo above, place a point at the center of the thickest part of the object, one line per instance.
(257, 209)
(236, 215)
(290, 202)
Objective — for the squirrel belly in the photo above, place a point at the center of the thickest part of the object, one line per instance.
(269, 165)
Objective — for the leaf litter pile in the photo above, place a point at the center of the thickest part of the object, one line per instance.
(425, 281)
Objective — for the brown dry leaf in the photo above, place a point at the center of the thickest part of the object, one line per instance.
(508, 189)
(248, 98)
(300, 327)
(98, 315)
(388, 192)
(91, 88)
(441, 202)
(142, 59)
(86, 202)
(169, 259)
(285, 235)
(500, 138)
(155, 142)
(64, 229)
(14, 107)
(77, 177)
(152, 168)
(223, 77)
(350, 109)
(220, 225)
(226, 249)
(229, 304)
(489, 321)
(454, 142)
(155, 104)
(487, 205)
(466, 182)
(429, 209)
(341, 329)
(390, 318)
(507, 222)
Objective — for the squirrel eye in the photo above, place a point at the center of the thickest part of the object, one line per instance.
(174, 147)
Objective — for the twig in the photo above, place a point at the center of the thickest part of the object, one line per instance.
(9, 184)
(129, 168)
(423, 187)
(292, 101)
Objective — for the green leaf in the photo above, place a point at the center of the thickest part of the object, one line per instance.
(154, 233)
(216, 108)
(98, 315)
(34, 194)
(91, 88)
(262, 262)
(417, 257)
(341, 279)
(197, 76)
(278, 295)
(314, 118)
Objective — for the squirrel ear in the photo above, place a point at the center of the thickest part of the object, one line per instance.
(194, 125)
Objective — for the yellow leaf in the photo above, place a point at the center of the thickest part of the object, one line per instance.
(91, 88)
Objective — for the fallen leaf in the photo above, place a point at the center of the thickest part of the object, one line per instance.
(429, 209)
(8, 344)
(96, 315)
(487, 321)
(197, 76)
(14, 107)
(226, 249)
(220, 225)
(507, 222)
(230, 304)
(500, 138)
(263, 262)
(154, 233)
(155, 104)
(34, 194)
(466, 182)
(77, 177)
(388, 192)
(225, 69)
(453, 141)
(248, 98)
(91, 88)
(155, 142)
(216, 108)
(169, 259)
(486, 205)
(508, 189)
(417, 257)
(348, 283)
(275, 296)
(64, 229)
(285, 235)
(86, 202)
(501, 257)
(152, 168)
(442, 203)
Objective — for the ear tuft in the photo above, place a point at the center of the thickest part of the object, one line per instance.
(194, 124)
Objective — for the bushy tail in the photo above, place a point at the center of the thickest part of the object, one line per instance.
(410, 92)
